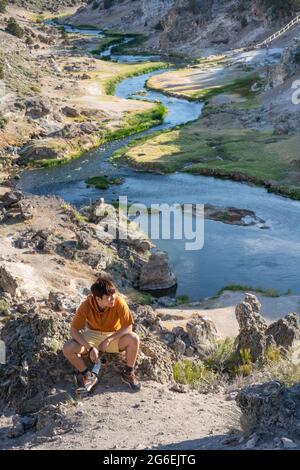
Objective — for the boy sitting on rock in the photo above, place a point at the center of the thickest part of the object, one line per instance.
(102, 323)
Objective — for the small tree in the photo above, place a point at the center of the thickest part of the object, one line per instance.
(108, 4)
(3, 5)
(14, 28)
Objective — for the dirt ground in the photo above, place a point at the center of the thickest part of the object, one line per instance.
(113, 418)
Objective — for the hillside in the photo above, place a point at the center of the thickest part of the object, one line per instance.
(189, 26)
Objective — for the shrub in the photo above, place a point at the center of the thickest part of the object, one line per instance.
(192, 373)
(1, 72)
(108, 4)
(224, 356)
(14, 28)
(3, 5)
(244, 21)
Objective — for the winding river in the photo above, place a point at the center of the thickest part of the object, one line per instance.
(231, 254)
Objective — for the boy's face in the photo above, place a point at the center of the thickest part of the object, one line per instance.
(107, 300)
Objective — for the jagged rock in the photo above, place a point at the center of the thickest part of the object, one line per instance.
(168, 338)
(190, 351)
(40, 150)
(21, 424)
(156, 273)
(37, 107)
(252, 327)
(70, 112)
(8, 283)
(83, 240)
(179, 346)
(145, 314)
(202, 334)
(179, 388)
(287, 67)
(288, 443)
(285, 331)
(28, 306)
(271, 409)
(11, 198)
(155, 360)
(254, 334)
(178, 331)
(166, 301)
(34, 362)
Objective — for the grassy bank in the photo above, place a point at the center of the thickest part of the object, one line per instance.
(239, 154)
(133, 123)
(137, 69)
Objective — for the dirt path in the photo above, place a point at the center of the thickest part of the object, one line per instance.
(156, 417)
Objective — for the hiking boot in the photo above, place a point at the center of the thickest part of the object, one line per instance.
(130, 379)
(89, 380)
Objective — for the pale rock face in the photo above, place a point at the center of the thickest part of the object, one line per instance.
(202, 334)
(156, 273)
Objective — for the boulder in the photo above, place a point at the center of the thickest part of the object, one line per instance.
(37, 107)
(202, 334)
(11, 198)
(156, 274)
(34, 361)
(271, 408)
(155, 360)
(257, 336)
(285, 331)
(70, 111)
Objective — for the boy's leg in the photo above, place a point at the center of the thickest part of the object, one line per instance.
(73, 352)
(130, 344)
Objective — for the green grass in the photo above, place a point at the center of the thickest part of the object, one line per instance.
(245, 288)
(4, 307)
(192, 373)
(138, 297)
(103, 182)
(110, 84)
(241, 86)
(133, 123)
(246, 155)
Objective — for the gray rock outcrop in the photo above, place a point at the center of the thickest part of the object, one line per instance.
(257, 336)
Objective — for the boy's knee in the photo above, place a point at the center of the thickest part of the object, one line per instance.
(68, 348)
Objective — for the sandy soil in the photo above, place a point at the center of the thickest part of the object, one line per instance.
(113, 418)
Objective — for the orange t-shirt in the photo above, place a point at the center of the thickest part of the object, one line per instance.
(111, 319)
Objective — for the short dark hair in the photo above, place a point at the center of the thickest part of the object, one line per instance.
(103, 286)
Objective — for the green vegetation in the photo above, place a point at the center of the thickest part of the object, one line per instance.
(133, 123)
(247, 155)
(103, 182)
(182, 299)
(111, 83)
(14, 28)
(3, 5)
(240, 86)
(138, 122)
(1, 71)
(4, 307)
(138, 297)
(192, 373)
(225, 364)
(245, 288)
(3, 122)
(223, 357)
